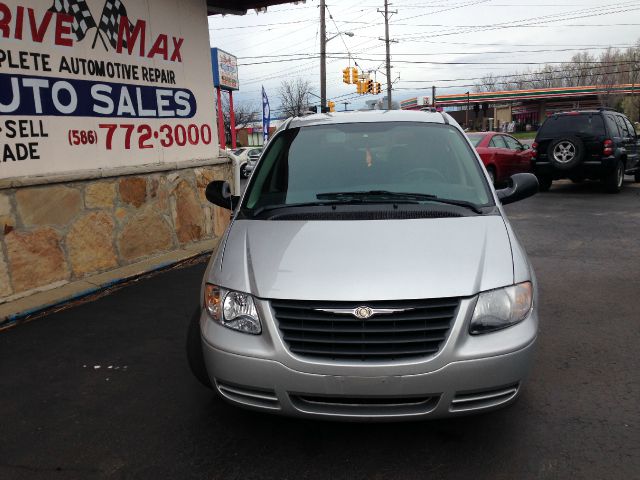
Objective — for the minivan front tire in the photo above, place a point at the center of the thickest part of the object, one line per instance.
(614, 179)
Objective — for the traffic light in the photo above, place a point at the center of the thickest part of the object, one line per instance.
(354, 75)
(369, 87)
(376, 88)
(332, 106)
(360, 87)
(346, 77)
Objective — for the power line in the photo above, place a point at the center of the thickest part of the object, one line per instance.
(310, 55)
(511, 75)
(533, 80)
(421, 62)
(590, 9)
(509, 25)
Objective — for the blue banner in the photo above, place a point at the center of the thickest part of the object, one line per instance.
(266, 116)
(50, 96)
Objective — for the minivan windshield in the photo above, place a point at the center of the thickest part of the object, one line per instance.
(367, 163)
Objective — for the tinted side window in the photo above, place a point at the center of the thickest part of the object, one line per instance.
(612, 126)
(630, 127)
(571, 124)
(497, 142)
(512, 143)
(623, 126)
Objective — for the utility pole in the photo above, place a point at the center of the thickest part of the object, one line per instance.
(345, 105)
(634, 73)
(433, 96)
(467, 112)
(323, 57)
(387, 41)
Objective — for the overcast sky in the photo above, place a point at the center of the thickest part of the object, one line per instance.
(507, 31)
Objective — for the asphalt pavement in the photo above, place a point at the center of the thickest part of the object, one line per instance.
(103, 390)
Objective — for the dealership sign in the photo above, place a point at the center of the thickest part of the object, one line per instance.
(225, 70)
(87, 84)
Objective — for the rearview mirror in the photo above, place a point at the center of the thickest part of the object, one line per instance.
(218, 192)
(521, 186)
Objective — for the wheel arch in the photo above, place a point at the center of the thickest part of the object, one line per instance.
(491, 165)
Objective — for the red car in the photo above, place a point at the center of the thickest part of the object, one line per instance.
(501, 154)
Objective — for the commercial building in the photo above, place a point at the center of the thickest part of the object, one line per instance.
(523, 109)
(251, 134)
(107, 139)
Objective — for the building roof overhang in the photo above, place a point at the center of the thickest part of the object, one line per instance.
(535, 94)
(240, 7)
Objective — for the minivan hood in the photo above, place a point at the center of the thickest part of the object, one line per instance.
(366, 260)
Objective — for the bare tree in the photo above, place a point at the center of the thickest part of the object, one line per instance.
(632, 104)
(612, 67)
(244, 113)
(488, 83)
(607, 70)
(610, 72)
(294, 97)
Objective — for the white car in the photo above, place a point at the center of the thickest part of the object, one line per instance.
(243, 155)
(253, 155)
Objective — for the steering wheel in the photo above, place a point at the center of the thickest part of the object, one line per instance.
(424, 173)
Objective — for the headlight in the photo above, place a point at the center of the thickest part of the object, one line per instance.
(501, 308)
(232, 309)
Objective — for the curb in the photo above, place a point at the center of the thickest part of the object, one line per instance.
(14, 314)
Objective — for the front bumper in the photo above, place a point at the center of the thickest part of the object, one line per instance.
(468, 374)
(457, 389)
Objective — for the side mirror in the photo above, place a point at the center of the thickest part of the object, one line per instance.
(521, 186)
(218, 192)
(526, 146)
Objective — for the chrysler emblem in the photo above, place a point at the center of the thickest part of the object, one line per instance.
(362, 312)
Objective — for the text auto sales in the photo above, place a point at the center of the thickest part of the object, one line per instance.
(26, 95)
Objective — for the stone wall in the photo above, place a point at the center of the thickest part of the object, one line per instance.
(55, 234)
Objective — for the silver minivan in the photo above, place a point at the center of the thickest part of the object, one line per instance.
(369, 272)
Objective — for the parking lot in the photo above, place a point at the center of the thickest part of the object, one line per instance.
(103, 390)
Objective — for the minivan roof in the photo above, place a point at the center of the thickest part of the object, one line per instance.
(368, 116)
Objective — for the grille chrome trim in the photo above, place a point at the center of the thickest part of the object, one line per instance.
(248, 396)
(409, 329)
(470, 401)
(353, 311)
(364, 406)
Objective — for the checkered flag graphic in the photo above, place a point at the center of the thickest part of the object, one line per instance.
(110, 21)
(79, 10)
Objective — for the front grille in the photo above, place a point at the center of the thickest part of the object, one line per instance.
(418, 331)
(365, 406)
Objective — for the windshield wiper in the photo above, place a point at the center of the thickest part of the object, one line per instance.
(276, 206)
(406, 196)
(378, 194)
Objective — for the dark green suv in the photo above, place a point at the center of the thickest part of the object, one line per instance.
(587, 144)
